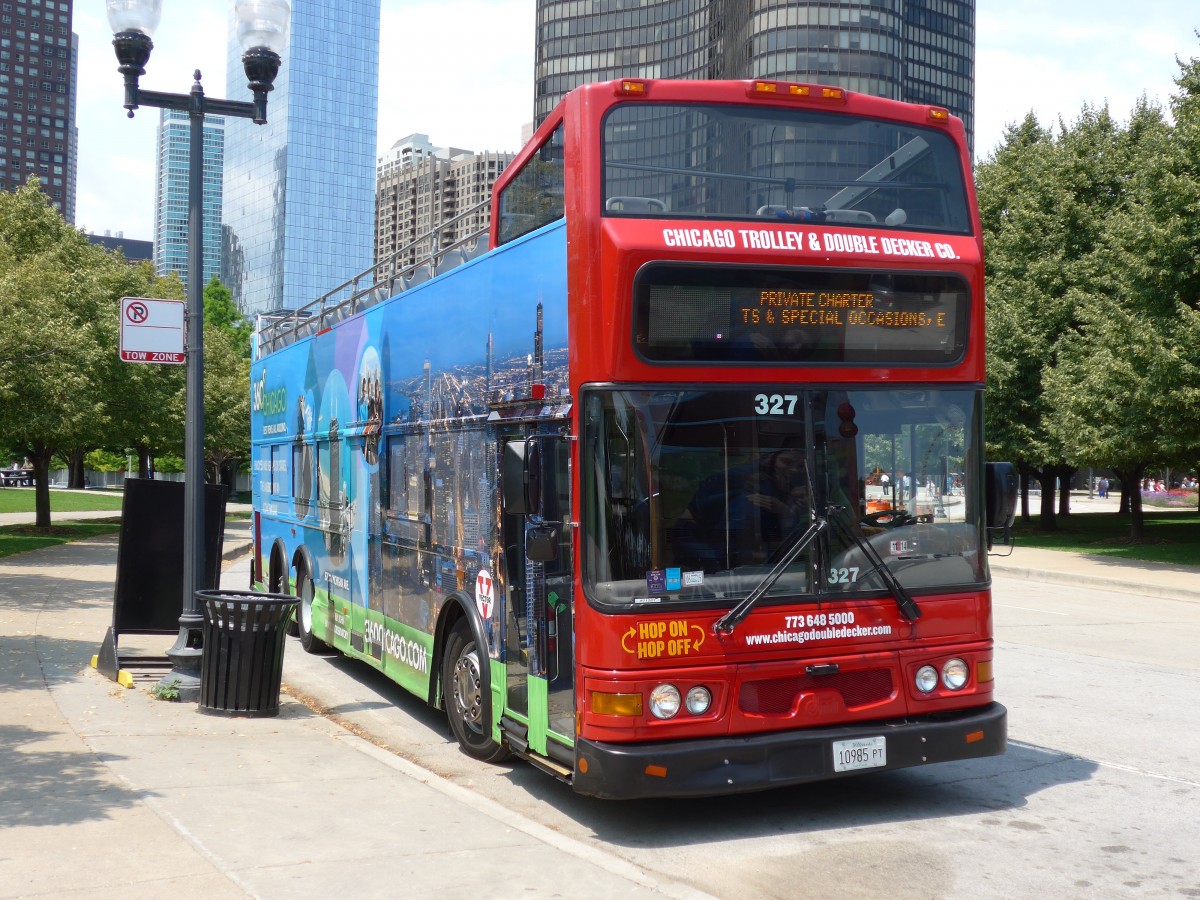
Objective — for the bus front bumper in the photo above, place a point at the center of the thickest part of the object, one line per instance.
(707, 767)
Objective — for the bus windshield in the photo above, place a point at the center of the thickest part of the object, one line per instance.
(691, 496)
(795, 165)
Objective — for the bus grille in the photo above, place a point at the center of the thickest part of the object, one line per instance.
(775, 697)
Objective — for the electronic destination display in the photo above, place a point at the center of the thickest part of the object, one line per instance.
(710, 314)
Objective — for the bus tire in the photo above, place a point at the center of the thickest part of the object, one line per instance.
(305, 592)
(468, 706)
(277, 583)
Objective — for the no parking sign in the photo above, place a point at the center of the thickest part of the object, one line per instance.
(152, 330)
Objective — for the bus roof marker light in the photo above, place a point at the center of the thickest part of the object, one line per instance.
(938, 114)
(627, 86)
(758, 88)
(799, 90)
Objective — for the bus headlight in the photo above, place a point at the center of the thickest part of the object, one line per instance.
(698, 700)
(927, 679)
(955, 674)
(665, 701)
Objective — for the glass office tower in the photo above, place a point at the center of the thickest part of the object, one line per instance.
(920, 51)
(300, 190)
(171, 194)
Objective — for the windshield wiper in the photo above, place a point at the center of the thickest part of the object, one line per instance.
(908, 606)
(734, 617)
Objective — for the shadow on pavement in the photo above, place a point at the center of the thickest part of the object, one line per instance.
(965, 788)
(45, 787)
(938, 792)
(30, 663)
(41, 580)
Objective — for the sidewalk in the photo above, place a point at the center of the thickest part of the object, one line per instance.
(1103, 572)
(107, 792)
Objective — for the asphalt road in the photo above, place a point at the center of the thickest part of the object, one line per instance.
(1096, 796)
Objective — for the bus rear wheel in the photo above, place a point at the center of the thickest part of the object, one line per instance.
(468, 705)
(305, 592)
(278, 584)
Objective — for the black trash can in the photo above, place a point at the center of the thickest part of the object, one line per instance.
(242, 663)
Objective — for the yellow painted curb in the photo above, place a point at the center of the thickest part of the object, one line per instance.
(95, 661)
(124, 679)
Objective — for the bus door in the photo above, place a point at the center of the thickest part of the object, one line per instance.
(537, 567)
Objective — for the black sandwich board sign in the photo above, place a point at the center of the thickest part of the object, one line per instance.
(148, 596)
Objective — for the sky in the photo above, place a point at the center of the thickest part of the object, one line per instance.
(461, 71)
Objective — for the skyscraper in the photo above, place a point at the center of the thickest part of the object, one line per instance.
(38, 54)
(171, 194)
(420, 187)
(920, 51)
(299, 196)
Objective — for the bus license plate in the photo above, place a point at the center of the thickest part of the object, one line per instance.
(863, 753)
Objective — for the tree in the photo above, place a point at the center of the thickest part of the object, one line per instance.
(221, 312)
(226, 403)
(1093, 240)
(62, 385)
(51, 297)
(1117, 387)
(1034, 204)
(1157, 243)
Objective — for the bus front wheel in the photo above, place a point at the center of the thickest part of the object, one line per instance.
(468, 705)
(305, 592)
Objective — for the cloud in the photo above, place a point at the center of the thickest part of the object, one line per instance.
(465, 79)
(1053, 58)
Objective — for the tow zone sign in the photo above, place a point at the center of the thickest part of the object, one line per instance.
(152, 330)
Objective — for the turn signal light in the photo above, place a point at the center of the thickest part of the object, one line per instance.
(983, 671)
(616, 704)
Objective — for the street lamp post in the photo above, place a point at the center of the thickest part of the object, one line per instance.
(262, 31)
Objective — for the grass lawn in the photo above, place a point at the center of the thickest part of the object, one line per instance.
(19, 538)
(22, 499)
(1170, 537)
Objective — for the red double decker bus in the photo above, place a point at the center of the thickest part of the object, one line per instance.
(673, 484)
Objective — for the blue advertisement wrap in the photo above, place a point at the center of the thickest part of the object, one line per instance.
(376, 447)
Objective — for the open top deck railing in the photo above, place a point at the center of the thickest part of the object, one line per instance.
(381, 281)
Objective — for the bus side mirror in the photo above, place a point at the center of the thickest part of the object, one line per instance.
(541, 543)
(513, 478)
(533, 478)
(1001, 486)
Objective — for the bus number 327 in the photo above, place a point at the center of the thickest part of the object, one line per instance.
(774, 404)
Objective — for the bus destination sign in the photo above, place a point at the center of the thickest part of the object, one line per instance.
(692, 314)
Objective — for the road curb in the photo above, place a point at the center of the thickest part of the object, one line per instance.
(235, 550)
(1100, 582)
